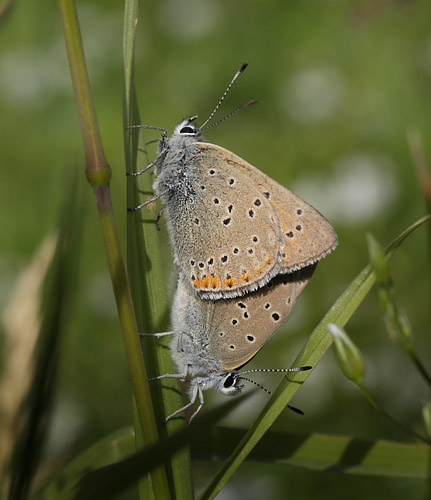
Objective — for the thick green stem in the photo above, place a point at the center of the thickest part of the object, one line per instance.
(99, 175)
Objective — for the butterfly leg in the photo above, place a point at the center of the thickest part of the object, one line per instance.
(160, 155)
(145, 203)
(196, 390)
(158, 335)
(201, 402)
(139, 172)
(181, 376)
(159, 216)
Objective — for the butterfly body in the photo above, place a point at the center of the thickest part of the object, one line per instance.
(213, 339)
(244, 243)
(232, 228)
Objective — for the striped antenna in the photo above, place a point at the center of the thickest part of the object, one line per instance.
(241, 69)
(283, 370)
(293, 408)
(245, 105)
(255, 383)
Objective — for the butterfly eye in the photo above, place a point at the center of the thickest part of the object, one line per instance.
(229, 381)
(188, 130)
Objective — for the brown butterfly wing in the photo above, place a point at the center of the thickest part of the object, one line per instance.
(306, 235)
(240, 327)
(228, 240)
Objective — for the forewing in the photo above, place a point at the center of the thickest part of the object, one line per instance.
(225, 233)
(307, 235)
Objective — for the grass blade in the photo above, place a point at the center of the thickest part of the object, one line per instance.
(145, 269)
(98, 173)
(343, 454)
(318, 343)
(33, 417)
(109, 481)
(112, 448)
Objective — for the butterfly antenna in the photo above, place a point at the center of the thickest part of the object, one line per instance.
(255, 383)
(249, 103)
(241, 69)
(151, 142)
(165, 132)
(283, 370)
(293, 408)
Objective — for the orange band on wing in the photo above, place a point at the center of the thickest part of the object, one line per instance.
(230, 282)
(208, 281)
(258, 270)
(246, 276)
(214, 281)
(267, 261)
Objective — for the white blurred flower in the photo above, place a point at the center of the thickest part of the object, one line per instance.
(361, 187)
(189, 18)
(36, 76)
(65, 426)
(27, 75)
(313, 95)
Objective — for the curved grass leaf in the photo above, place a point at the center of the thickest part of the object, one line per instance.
(324, 452)
(145, 270)
(112, 448)
(33, 417)
(315, 348)
(98, 173)
(129, 106)
(109, 481)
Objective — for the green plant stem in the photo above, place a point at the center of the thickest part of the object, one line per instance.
(146, 274)
(423, 169)
(418, 363)
(318, 343)
(398, 327)
(98, 174)
(401, 426)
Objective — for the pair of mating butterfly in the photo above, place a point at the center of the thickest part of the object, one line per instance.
(245, 246)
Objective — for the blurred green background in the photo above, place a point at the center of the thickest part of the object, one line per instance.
(340, 85)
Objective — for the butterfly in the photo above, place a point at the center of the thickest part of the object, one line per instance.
(212, 340)
(232, 228)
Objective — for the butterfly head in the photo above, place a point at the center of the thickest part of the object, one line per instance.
(187, 128)
(228, 384)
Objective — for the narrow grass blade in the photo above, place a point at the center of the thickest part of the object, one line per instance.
(109, 481)
(145, 270)
(112, 448)
(343, 454)
(129, 30)
(98, 173)
(318, 343)
(33, 417)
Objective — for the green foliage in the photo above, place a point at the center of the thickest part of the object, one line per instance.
(310, 451)
(339, 85)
